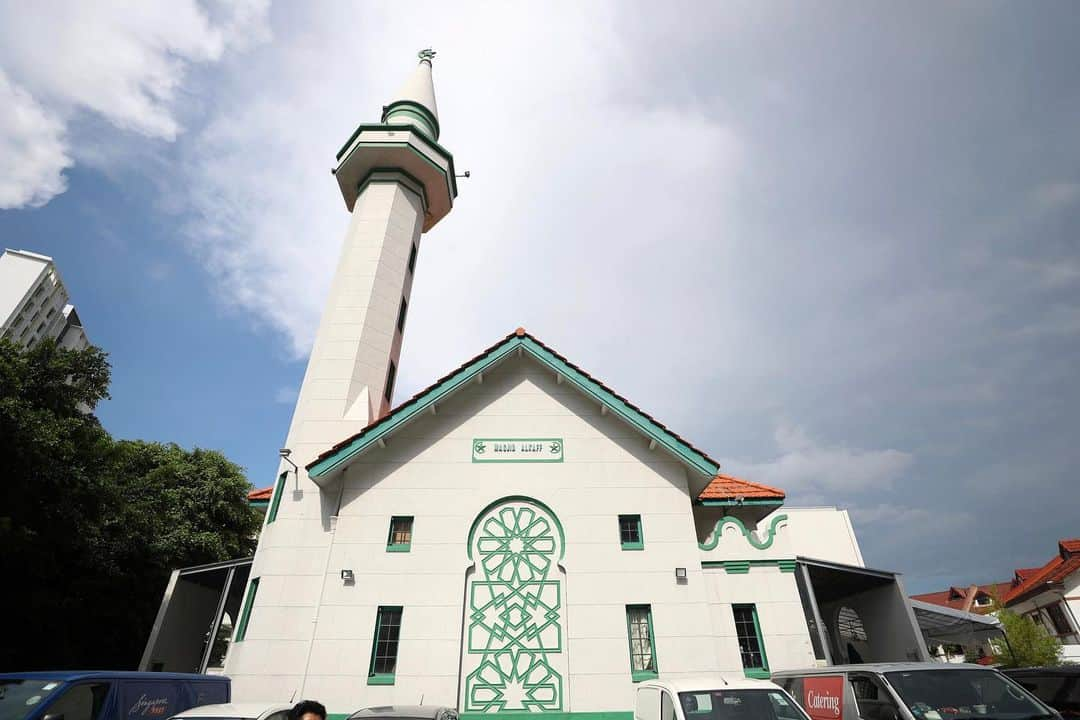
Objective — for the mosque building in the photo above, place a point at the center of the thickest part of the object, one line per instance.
(516, 537)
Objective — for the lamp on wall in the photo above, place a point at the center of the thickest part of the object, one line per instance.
(680, 575)
(284, 454)
(348, 577)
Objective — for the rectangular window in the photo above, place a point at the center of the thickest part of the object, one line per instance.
(384, 646)
(1058, 619)
(390, 381)
(401, 316)
(412, 259)
(642, 645)
(630, 536)
(400, 538)
(275, 502)
(751, 647)
(245, 614)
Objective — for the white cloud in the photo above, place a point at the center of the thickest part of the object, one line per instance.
(805, 467)
(121, 61)
(556, 213)
(32, 145)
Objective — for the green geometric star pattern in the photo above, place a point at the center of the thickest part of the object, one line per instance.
(514, 613)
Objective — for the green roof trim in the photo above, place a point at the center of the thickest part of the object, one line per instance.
(435, 147)
(770, 534)
(342, 454)
(413, 109)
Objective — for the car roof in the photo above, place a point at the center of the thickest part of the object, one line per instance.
(880, 667)
(1051, 670)
(233, 710)
(710, 682)
(401, 711)
(71, 675)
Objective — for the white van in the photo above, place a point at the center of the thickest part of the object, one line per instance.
(715, 698)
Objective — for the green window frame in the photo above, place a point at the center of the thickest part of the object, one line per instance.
(275, 502)
(639, 633)
(751, 643)
(245, 615)
(400, 537)
(631, 536)
(384, 645)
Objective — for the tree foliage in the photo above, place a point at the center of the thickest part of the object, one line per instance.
(91, 527)
(1029, 644)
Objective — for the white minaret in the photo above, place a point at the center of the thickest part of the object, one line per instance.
(397, 182)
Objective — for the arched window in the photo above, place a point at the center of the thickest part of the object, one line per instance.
(849, 625)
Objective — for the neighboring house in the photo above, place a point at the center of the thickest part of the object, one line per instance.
(34, 302)
(1049, 595)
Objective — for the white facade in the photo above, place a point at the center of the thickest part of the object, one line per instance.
(34, 302)
(517, 537)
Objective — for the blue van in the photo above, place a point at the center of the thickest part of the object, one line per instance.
(103, 695)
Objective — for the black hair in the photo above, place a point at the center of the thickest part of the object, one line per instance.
(307, 706)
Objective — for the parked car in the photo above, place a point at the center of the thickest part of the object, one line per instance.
(406, 712)
(715, 698)
(87, 695)
(236, 711)
(911, 691)
(1058, 687)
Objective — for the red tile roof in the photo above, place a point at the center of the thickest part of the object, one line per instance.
(1065, 563)
(260, 495)
(519, 332)
(957, 598)
(726, 487)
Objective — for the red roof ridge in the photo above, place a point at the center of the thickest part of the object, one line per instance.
(520, 332)
(260, 494)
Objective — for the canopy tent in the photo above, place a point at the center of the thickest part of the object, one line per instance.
(947, 626)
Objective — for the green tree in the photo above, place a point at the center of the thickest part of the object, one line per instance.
(1029, 644)
(91, 527)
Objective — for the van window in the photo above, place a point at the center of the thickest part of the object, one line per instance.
(19, 698)
(963, 694)
(667, 707)
(740, 705)
(647, 706)
(79, 702)
(872, 699)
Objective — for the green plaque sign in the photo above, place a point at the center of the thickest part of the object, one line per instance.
(486, 450)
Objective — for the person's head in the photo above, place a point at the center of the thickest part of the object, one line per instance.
(308, 710)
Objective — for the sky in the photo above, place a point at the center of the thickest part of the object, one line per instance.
(834, 244)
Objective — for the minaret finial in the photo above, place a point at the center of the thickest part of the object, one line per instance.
(426, 55)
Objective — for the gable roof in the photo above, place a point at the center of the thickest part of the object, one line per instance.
(957, 597)
(724, 489)
(261, 495)
(1030, 581)
(522, 342)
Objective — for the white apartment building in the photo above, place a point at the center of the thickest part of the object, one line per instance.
(34, 302)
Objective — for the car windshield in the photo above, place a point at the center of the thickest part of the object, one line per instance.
(19, 698)
(740, 705)
(962, 694)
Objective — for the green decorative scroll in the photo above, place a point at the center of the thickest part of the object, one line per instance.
(770, 535)
(515, 610)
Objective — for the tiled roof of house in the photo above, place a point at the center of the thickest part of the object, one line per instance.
(1065, 563)
(381, 424)
(957, 597)
(262, 495)
(726, 487)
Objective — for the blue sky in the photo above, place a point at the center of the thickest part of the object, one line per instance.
(835, 245)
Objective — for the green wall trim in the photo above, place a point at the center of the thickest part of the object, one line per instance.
(518, 498)
(757, 674)
(741, 567)
(245, 614)
(606, 715)
(279, 490)
(436, 147)
(386, 679)
(770, 536)
(650, 428)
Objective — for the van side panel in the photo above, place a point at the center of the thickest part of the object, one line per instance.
(647, 704)
(150, 699)
(207, 692)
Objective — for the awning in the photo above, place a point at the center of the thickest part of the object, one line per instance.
(941, 624)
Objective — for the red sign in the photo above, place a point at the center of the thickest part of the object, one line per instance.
(823, 697)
